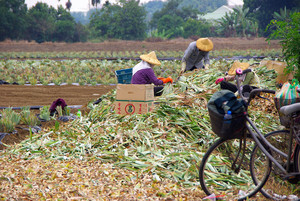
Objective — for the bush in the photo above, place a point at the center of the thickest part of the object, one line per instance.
(288, 32)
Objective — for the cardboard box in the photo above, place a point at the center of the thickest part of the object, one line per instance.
(138, 92)
(279, 68)
(133, 107)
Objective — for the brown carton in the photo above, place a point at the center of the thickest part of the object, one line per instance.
(138, 92)
(279, 68)
(133, 107)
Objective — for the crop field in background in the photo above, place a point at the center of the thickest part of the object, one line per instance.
(44, 67)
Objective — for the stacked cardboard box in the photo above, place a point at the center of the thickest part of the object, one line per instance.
(279, 68)
(134, 98)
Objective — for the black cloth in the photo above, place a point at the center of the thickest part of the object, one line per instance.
(232, 87)
(193, 68)
(158, 90)
(230, 100)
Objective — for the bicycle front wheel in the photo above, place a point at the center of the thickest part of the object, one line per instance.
(275, 188)
(225, 173)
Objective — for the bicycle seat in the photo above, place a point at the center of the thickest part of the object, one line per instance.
(289, 109)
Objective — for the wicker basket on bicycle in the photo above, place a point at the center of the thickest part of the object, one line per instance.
(218, 105)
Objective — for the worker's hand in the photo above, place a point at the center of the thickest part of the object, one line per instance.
(206, 66)
(183, 66)
(219, 80)
(168, 79)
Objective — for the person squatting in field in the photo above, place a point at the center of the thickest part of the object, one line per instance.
(194, 55)
(249, 80)
(143, 73)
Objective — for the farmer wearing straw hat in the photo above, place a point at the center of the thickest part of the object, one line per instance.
(249, 80)
(142, 73)
(194, 55)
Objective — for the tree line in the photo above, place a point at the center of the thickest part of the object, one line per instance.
(130, 20)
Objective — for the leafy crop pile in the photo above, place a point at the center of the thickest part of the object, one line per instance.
(162, 149)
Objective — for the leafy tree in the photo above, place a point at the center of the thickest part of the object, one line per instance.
(176, 14)
(81, 33)
(95, 2)
(130, 20)
(49, 24)
(64, 26)
(227, 24)
(81, 17)
(283, 15)
(169, 9)
(13, 20)
(125, 20)
(41, 22)
(263, 10)
(288, 32)
(197, 28)
(68, 5)
(100, 21)
(202, 5)
(238, 23)
(172, 25)
(151, 7)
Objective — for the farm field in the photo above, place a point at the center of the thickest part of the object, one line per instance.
(104, 156)
(15, 95)
(173, 45)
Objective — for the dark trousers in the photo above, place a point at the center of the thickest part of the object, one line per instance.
(193, 68)
(158, 90)
(232, 87)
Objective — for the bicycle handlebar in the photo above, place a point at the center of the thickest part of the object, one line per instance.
(254, 92)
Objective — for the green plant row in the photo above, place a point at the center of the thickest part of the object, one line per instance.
(10, 118)
(135, 54)
(84, 72)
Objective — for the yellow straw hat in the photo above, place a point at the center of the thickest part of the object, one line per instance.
(204, 44)
(236, 65)
(150, 58)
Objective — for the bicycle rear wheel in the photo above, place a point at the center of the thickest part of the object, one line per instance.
(218, 176)
(275, 187)
(297, 158)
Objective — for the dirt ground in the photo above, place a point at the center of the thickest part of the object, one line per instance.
(37, 96)
(174, 45)
(20, 95)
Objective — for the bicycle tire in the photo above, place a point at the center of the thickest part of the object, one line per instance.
(297, 158)
(297, 163)
(217, 176)
(275, 187)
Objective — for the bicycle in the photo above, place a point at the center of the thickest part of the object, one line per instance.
(286, 166)
(229, 164)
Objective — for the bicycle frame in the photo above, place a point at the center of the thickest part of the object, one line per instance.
(257, 136)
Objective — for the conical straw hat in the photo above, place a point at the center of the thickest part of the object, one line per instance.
(236, 65)
(204, 44)
(150, 58)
